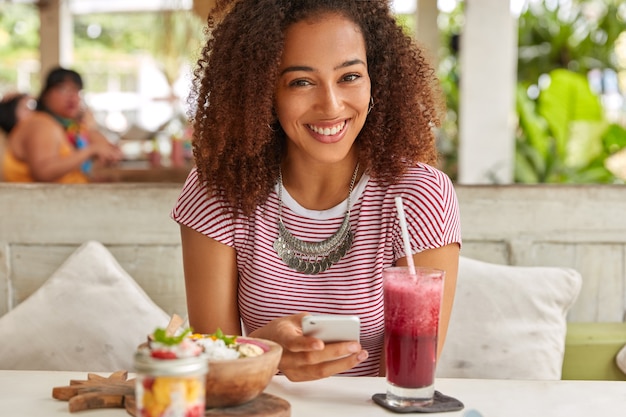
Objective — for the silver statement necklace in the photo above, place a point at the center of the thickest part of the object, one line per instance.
(311, 258)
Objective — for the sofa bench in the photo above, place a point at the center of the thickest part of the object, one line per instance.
(42, 225)
(590, 351)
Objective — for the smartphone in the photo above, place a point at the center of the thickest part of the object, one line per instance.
(332, 327)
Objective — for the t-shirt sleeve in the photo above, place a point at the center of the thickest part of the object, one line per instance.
(197, 209)
(432, 212)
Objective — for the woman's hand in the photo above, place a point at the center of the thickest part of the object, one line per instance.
(307, 358)
(105, 153)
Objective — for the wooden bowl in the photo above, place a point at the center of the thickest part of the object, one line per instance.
(236, 381)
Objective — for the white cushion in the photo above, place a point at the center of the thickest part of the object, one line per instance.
(90, 315)
(508, 322)
(621, 359)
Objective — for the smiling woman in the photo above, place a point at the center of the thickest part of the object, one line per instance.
(312, 117)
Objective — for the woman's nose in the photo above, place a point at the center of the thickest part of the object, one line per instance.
(331, 100)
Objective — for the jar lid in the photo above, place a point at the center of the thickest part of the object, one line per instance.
(144, 363)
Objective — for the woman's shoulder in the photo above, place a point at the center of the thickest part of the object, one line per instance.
(200, 209)
(423, 175)
(425, 170)
(37, 130)
(42, 123)
(44, 117)
(416, 175)
(425, 188)
(196, 195)
(39, 121)
(419, 183)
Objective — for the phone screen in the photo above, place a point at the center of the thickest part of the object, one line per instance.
(332, 327)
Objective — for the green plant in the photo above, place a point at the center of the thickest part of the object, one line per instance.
(562, 134)
(576, 35)
(563, 137)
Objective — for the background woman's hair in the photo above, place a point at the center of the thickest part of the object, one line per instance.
(56, 77)
(8, 112)
(238, 141)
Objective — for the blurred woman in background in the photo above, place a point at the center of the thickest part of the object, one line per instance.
(59, 141)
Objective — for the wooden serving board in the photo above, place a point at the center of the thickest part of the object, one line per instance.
(265, 405)
(116, 391)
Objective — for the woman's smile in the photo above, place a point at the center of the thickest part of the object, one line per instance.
(328, 133)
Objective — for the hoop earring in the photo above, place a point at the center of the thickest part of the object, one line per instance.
(272, 127)
(371, 106)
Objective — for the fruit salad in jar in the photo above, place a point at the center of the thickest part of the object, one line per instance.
(171, 376)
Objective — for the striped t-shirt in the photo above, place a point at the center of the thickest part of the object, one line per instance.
(269, 289)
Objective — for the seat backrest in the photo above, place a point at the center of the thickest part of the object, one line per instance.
(90, 315)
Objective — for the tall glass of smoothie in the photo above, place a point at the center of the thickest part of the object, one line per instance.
(412, 308)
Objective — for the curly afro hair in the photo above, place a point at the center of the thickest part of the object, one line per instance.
(238, 142)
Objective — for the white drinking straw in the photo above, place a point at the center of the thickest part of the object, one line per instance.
(405, 235)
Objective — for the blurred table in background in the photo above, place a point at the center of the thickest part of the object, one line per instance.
(162, 160)
(142, 171)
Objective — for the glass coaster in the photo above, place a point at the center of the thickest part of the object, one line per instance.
(441, 403)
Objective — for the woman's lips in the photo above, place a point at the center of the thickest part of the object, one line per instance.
(328, 133)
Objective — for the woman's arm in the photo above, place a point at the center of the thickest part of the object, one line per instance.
(110, 154)
(211, 280)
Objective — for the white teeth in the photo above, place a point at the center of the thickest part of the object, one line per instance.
(328, 131)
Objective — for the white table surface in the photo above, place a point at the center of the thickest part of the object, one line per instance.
(29, 394)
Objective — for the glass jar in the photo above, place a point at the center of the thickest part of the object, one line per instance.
(170, 387)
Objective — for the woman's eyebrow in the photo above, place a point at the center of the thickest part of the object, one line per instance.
(311, 69)
(296, 68)
(350, 63)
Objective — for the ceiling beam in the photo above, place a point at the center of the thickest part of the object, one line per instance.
(127, 6)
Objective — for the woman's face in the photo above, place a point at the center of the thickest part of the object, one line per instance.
(323, 89)
(64, 100)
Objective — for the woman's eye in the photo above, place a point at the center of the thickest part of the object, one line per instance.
(299, 83)
(351, 77)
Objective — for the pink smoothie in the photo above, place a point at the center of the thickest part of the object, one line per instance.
(412, 306)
